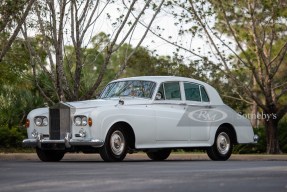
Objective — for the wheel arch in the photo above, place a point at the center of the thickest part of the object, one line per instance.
(128, 130)
(232, 131)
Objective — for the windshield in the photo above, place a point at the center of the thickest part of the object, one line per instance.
(142, 89)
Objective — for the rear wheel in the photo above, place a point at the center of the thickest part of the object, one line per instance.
(221, 150)
(115, 147)
(50, 155)
(159, 155)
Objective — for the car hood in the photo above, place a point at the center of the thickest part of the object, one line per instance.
(108, 102)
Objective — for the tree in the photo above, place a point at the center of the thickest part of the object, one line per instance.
(12, 16)
(17, 95)
(61, 22)
(257, 41)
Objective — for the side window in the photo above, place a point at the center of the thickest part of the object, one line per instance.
(161, 91)
(170, 91)
(192, 92)
(204, 95)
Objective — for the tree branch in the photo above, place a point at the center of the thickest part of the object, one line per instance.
(13, 37)
(124, 64)
(134, 24)
(121, 27)
(42, 30)
(33, 65)
(228, 72)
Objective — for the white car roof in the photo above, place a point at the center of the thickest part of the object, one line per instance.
(214, 97)
(160, 79)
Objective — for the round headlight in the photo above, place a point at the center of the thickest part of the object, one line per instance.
(45, 121)
(38, 121)
(84, 121)
(78, 121)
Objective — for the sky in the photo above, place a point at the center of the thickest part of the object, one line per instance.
(164, 24)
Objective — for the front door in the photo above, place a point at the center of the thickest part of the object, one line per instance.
(170, 108)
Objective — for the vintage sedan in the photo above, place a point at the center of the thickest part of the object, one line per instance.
(154, 114)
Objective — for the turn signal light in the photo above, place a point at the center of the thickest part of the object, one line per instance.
(90, 121)
(27, 123)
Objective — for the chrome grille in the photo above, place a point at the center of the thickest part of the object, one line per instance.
(59, 123)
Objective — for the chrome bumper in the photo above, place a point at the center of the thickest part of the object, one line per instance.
(67, 141)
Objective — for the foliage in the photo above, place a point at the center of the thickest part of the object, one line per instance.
(248, 40)
(15, 63)
(15, 105)
(260, 147)
(67, 28)
(10, 11)
(252, 59)
(17, 93)
(12, 15)
(11, 138)
(282, 127)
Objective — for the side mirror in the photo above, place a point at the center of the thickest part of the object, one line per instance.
(158, 96)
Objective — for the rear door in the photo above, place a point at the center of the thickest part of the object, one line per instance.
(198, 115)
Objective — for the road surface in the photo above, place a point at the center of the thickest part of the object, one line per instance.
(140, 174)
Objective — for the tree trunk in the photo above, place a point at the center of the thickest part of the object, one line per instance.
(254, 112)
(271, 126)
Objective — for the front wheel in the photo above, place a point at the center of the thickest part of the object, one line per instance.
(115, 147)
(222, 148)
(50, 155)
(159, 155)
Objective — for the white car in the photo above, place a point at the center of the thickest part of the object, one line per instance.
(154, 114)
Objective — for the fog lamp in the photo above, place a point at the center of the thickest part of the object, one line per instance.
(34, 133)
(82, 133)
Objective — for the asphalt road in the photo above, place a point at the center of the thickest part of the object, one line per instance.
(143, 175)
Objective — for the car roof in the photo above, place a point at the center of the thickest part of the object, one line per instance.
(160, 79)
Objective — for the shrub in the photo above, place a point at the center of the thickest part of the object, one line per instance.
(260, 147)
(11, 138)
(283, 136)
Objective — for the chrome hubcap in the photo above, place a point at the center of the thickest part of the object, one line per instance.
(223, 143)
(117, 142)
